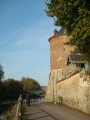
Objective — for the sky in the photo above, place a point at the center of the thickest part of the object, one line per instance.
(24, 32)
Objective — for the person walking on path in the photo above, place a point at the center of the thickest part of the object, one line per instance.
(20, 101)
(28, 100)
(20, 98)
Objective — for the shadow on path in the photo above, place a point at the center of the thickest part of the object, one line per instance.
(48, 111)
(34, 112)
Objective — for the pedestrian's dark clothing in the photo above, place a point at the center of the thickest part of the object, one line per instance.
(28, 100)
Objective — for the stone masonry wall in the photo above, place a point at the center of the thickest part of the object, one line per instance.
(74, 89)
(75, 92)
(49, 92)
(51, 88)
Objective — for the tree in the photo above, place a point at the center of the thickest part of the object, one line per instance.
(74, 16)
(1, 83)
(13, 89)
(30, 84)
(1, 72)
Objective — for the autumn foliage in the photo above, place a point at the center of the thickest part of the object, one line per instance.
(74, 16)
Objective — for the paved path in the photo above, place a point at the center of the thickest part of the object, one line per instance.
(50, 111)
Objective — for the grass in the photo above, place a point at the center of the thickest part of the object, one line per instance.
(24, 116)
(8, 113)
(11, 112)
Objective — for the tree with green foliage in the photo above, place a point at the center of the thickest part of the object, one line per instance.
(1, 84)
(12, 89)
(30, 84)
(74, 16)
(1, 72)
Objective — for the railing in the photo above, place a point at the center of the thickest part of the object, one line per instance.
(19, 111)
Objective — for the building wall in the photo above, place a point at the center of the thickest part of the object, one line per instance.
(59, 52)
(72, 67)
(74, 90)
(51, 88)
(87, 66)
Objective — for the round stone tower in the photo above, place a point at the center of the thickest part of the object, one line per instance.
(58, 51)
(59, 69)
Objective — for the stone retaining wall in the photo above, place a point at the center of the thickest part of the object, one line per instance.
(74, 90)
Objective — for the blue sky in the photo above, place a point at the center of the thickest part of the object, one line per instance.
(24, 32)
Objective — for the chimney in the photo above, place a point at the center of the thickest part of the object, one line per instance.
(55, 32)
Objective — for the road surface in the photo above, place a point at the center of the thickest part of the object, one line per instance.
(51, 111)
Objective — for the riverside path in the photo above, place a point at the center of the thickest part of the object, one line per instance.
(51, 111)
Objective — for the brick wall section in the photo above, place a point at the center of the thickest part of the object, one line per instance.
(59, 52)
